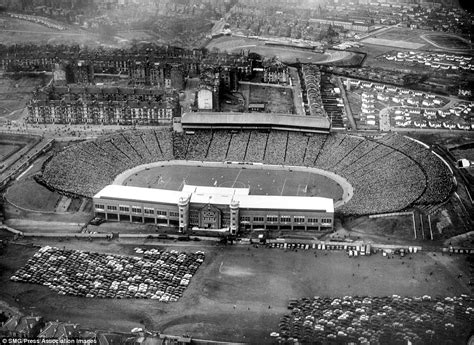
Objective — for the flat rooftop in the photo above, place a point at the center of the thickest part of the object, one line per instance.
(218, 196)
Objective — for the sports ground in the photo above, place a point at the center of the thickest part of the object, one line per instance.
(286, 55)
(270, 182)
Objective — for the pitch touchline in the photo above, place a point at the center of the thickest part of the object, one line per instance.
(236, 178)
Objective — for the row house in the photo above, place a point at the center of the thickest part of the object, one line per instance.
(161, 75)
(276, 74)
(77, 104)
(96, 113)
(21, 327)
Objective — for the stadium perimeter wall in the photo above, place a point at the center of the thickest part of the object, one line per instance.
(347, 189)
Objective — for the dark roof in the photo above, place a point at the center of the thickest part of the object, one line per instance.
(252, 120)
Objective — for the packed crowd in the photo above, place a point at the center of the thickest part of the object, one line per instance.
(377, 320)
(388, 174)
(87, 167)
(438, 176)
(276, 145)
(158, 275)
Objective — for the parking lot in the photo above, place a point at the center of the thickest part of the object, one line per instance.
(161, 275)
(238, 293)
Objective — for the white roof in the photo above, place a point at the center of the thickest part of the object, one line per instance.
(217, 195)
(277, 202)
(215, 190)
(140, 194)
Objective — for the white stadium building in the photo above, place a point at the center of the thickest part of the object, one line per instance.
(213, 208)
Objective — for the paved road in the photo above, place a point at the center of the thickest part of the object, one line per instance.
(347, 106)
(297, 92)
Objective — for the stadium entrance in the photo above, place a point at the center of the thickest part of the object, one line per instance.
(210, 217)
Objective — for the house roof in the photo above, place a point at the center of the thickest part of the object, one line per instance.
(59, 330)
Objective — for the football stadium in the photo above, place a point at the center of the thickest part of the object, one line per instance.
(384, 174)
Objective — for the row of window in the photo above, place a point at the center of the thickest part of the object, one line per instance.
(136, 209)
(284, 219)
(195, 217)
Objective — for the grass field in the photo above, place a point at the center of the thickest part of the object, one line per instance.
(403, 34)
(276, 99)
(260, 182)
(6, 150)
(392, 43)
(21, 31)
(396, 229)
(447, 41)
(33, 196)
(286, 55)
(14, 94)
(258, 282)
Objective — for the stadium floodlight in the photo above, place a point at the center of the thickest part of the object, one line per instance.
(464, 163)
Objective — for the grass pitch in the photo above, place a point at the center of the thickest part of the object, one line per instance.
(260, 182)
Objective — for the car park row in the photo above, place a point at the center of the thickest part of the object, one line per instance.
(160, 275)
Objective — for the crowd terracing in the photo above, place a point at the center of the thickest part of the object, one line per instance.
(377, 320)
(388, 174)
(159, 275)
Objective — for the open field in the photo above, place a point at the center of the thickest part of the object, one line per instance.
(6, 150)
(276, 99)
(447, 41)
(14, 94)
(395, 229)
(21, 31)
(392, 43)
(258, 282)
(32, 196)
(403, 34)
(286, 55)
(266, 182)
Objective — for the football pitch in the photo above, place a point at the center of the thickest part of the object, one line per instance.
(260, 182)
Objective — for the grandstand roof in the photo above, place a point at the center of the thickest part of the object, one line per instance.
(140, 194)
(252, 120)
(217, 195)
(214, 195)
(215, 190)
(277, 202)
